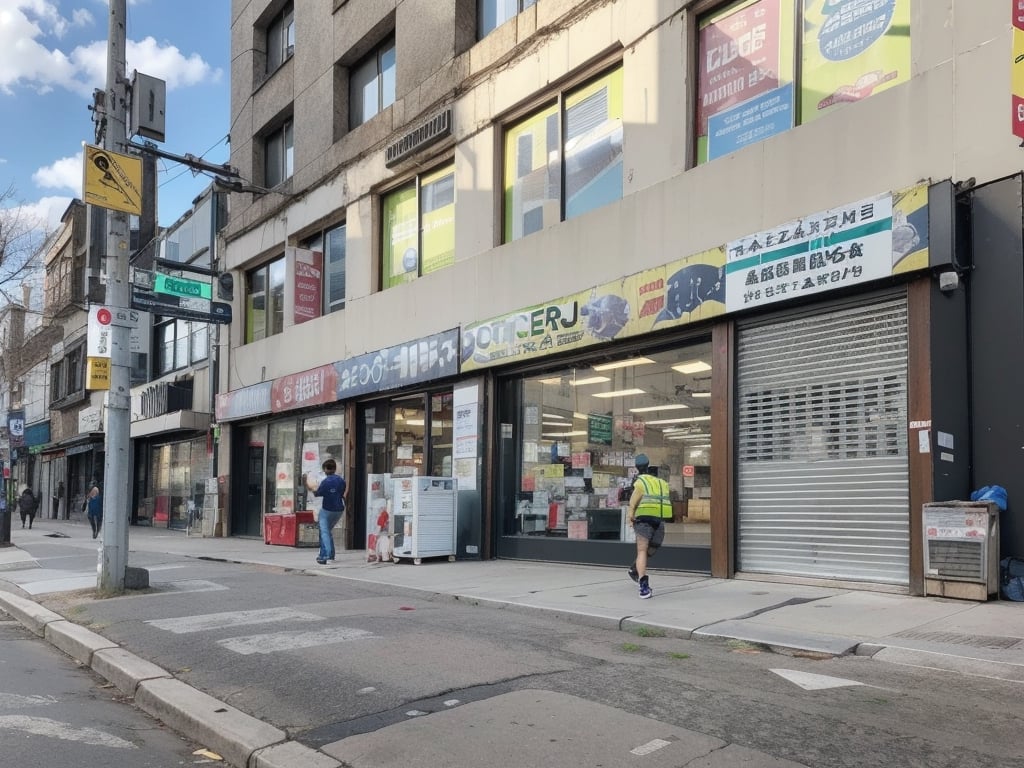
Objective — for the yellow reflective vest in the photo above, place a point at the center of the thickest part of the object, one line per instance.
(655, 501)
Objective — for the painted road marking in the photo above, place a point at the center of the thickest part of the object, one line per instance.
(14, 701)
(812, 682)
(651, 746)
(291, 641)
(202, 623)
(41, 726)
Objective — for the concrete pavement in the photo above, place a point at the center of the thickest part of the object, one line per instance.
(984, 639)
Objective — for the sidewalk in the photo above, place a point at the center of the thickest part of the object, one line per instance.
(984, 639)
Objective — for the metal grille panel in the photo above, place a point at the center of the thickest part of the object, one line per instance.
(822, 469)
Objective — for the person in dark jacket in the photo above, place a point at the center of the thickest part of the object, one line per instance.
(27, 505)
(94, 510)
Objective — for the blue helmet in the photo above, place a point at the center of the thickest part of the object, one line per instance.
(641, 461)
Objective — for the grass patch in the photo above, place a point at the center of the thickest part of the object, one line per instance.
(630, 647)
(679, 655)
(649, 632)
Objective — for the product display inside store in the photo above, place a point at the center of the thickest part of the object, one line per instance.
(582, 427)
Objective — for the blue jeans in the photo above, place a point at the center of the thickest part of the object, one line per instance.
(327, 520)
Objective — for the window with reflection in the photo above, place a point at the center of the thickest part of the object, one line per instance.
(581, 428)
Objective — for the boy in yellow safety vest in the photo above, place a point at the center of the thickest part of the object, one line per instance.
(649, 508)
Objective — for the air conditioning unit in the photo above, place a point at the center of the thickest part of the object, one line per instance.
(961, 549)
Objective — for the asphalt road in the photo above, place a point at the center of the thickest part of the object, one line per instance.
(379, 679)
(53, 712)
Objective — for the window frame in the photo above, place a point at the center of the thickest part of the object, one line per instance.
(611, 74)
(67, 376)
(186, 333)
(271, 309)
(321, 242)
(280, 38)
(285, 168)
(375, 60)
(437, 174)
(481, 31)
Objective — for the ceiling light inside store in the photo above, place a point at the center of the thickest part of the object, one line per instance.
(623, 364)
(557, 423)
(581, 416)
(651, 408)
(553, 380)
(591, 380)
(700, 394)
(574, 433)
(415, 422)
(559, 416)
(619, 393)
(692, 366)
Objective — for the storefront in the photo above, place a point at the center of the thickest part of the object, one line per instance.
(781, 383)
(283, 429)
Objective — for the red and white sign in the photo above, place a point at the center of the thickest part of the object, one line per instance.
(98, 336)
(317, 386)
(308, 269)
(688, 470)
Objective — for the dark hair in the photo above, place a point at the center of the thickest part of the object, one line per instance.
(329, 466)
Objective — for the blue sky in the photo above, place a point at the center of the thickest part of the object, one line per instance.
(52, 57)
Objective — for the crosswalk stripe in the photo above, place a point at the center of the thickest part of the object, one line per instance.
(812, 682)
(205, 622)
(290, 641)
(15, 701)
(54, 729)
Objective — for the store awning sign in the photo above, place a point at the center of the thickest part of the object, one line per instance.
(426, 359)
(244, 402)
(317, 386)
(866, 240)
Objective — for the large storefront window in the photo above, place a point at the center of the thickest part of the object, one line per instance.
(582, 427)
(176, 479)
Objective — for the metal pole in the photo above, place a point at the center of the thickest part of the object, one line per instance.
(113, 563)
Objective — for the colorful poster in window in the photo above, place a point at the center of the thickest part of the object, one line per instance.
(851, 50)
(437, 196)
(862, 241)
(308, 270)
(745, 62)
(400, 238)
(533, 177)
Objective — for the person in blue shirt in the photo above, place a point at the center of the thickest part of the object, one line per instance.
(94, 510)
(333, 490)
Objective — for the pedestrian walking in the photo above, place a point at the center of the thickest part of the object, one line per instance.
(333, 490)
(650, 506)
(27, 505)
(94, 510)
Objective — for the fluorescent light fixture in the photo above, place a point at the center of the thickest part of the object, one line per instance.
(692, 366)
(619, 393)
(651, 408)
(679, 420)
(574, 433)
(555, 416)
(557, 423)
(623, 364)
(700, 394)
(591, 380)
(581, 416)
(552, 380)
(415, 422)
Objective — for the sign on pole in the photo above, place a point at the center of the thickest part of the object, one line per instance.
(98, 335)
(182, 286)
(112, 180)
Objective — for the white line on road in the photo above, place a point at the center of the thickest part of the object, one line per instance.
(16, 701)
(651, 746)
(53, 729)
(187, 624)
(812, 682)
(292, 641)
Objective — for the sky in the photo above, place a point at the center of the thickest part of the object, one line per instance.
(53, 55)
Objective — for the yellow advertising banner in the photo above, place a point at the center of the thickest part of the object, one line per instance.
(97, 373)
(851, 50)
(1017, 71)
(112, 180)
(681, 292)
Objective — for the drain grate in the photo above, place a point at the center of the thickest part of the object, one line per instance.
(994, 642)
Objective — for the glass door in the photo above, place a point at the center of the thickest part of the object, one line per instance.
(247, 513)
(408, 437)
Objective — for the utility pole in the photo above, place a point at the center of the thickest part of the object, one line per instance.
(113, 563)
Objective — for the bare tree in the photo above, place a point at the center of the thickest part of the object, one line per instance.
(21, 236)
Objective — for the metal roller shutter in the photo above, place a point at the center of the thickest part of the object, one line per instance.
(822, 468)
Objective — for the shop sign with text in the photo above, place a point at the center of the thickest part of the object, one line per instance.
(863, 241)
(426, 359)
(673, 294)
(300, 390)
(244, 402)
(308, 268)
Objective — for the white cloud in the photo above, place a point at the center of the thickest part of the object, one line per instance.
(81, 17)
(65, 173)
(43, 214)
(25, 61)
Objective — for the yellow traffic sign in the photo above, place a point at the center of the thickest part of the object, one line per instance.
(97, 373)
(112, 180)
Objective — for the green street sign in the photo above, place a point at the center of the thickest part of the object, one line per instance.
(181, 286)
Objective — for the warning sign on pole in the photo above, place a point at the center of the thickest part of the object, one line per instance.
(112, 180)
